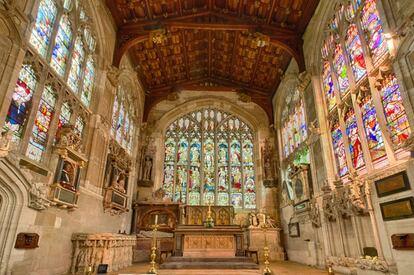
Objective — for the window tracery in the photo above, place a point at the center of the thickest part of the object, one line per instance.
(123, 129)
(50, 43)
(356, 41)
(209, 158)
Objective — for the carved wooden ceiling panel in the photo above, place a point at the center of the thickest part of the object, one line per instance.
(242, 44)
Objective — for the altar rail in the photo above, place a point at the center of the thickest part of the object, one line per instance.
(115, 250)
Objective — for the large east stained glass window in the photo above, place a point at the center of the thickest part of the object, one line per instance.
(209, 159)
(42, 30)
(373, 115)
(21, 101)
(38, 140)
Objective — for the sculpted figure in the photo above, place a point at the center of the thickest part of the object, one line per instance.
(5, 140)
(147, 168)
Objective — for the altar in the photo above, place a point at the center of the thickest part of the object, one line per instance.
(199, 241)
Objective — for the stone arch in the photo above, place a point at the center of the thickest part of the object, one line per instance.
(13, 197)
(256, 121)
(254, 116)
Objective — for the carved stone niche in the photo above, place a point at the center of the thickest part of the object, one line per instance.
(116, 180)
(269, 179)
(301, 183)
(64, 191)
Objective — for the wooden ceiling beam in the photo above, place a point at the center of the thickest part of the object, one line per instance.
(148, 9)
(239, 85)
(234, 53)
(269, 18)
(209, 53)
(187, 65)
(256, 65)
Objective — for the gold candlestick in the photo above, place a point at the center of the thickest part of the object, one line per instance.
(153, 269)
(330, 271)
(266, 270)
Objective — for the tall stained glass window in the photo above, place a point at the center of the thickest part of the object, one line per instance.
(376, 115)
(75, 73)
(63, 41)
(294, 129)
(209, 159)
(339, 148)
(42, 30)
(79, 125)
(122, 129)
(397, 122)
(355, 147)
(38, 139)
(21, 101)
(65, 114)
(372, 25)
(89, 79)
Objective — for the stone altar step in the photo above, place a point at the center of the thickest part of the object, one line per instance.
(234, 263)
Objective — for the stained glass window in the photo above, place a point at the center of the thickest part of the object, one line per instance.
(122, 129)
(339, 148)
(221, 146)
(42, 30)
(79, 125)
(38, 139)
(354, 140)
(75, 73)
(65, 114)
(356, 55)
(60, 52)
(372, 128)
(89, 78)
(21, 101)
(328, 86)
(362, 42)
(340, 69)
(397, 122)
(372, 25)
(294, 131)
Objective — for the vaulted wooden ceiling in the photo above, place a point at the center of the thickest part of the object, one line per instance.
(242, 45)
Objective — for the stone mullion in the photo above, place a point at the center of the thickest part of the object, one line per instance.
(215, 160)
(202, 159)
(325, 128)
(53, 36)
(355, 106)
(241, 169)
(175, 167)
(187, 193)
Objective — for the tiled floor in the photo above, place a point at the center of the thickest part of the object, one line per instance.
(278, 268)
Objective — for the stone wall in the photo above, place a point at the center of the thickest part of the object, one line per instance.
(29, 211)
(325, 239)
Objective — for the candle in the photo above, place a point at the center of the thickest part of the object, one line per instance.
(156, 219)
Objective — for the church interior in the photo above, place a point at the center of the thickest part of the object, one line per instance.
(221, 137)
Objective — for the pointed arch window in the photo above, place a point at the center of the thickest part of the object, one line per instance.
(65, 114)
(21, 101)
(75, 73)
(209, 158)
(376, 114)
(122, 128)
(61, 48)
(42, 31)
(38, 139)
